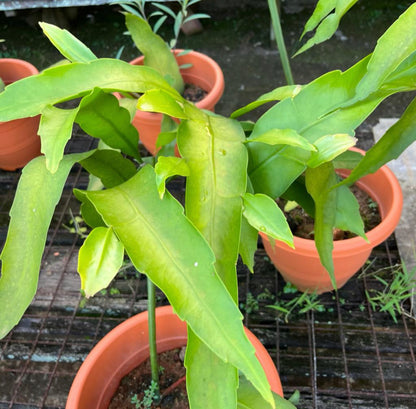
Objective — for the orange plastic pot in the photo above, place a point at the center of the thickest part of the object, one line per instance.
(301, 266)
(126, 346)
(19, 141)
(203, 72)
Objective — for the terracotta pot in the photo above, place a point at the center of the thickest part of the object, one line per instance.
(204, 72)
(19, 141)
(301, 266)
(126, 346)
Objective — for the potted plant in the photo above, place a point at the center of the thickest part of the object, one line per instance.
(298, 146)
(19, 141)
(184, 69)
(189, 251)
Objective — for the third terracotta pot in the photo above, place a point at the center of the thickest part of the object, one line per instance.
(203, 72)
(126, 346)
(301, 266)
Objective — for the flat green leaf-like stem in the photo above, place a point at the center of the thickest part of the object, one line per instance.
(162, 243)
(37, 194)
(29, 96)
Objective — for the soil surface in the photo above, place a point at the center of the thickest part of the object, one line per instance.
(172, 385)
(302, 225)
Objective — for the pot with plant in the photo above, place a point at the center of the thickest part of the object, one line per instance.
(189, 251)
(193, 74)
(19, 141)
(300, 151)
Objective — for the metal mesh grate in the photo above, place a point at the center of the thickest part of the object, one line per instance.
(346, 356)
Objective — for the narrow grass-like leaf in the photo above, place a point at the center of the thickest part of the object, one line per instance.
(99, 260)
(37, 194)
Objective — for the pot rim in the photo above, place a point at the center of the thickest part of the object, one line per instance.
(390, 217)
(213, 95)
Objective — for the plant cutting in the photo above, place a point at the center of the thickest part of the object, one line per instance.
(19, 141)
(296, 147)
(181, 68)
(189, 251)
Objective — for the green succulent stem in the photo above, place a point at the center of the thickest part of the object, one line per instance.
(281, 46)
(151, 307)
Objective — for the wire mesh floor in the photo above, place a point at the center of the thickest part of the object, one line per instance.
(345, 356)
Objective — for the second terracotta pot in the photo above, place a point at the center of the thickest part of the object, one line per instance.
(126, 346)
(19, 140)
(203, 72)
(301, 266)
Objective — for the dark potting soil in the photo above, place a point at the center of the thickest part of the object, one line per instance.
(193, 93)
(302, 225)
(172, 385)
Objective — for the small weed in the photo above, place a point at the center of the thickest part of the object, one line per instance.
(150, 396)
(394, 293)
(76, 225)
(252, 303)
(300, 304)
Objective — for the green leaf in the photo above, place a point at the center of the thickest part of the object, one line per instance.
(319, 182)
(157, 53)
(160, 101)
(163, 244)
(88, 212)
(400, 136)
(99, 260)
(278, 94)
(110, 167)
(55, 130)
(248, 243)
(393, 47)
(249, 398)
(30, 96)
(347, 160)
(264, 214)
(348, 216)
(202, 366)
(168, 167)
(329, 147)
(325, 23)
(283, 137)
(102, 117)
(37, 194)
(217, 158)
(68, 45)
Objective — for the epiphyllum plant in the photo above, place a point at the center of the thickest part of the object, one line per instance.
(296, 146)
(189, 252)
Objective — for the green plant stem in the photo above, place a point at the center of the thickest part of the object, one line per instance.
(281, 46)
(151, 307)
